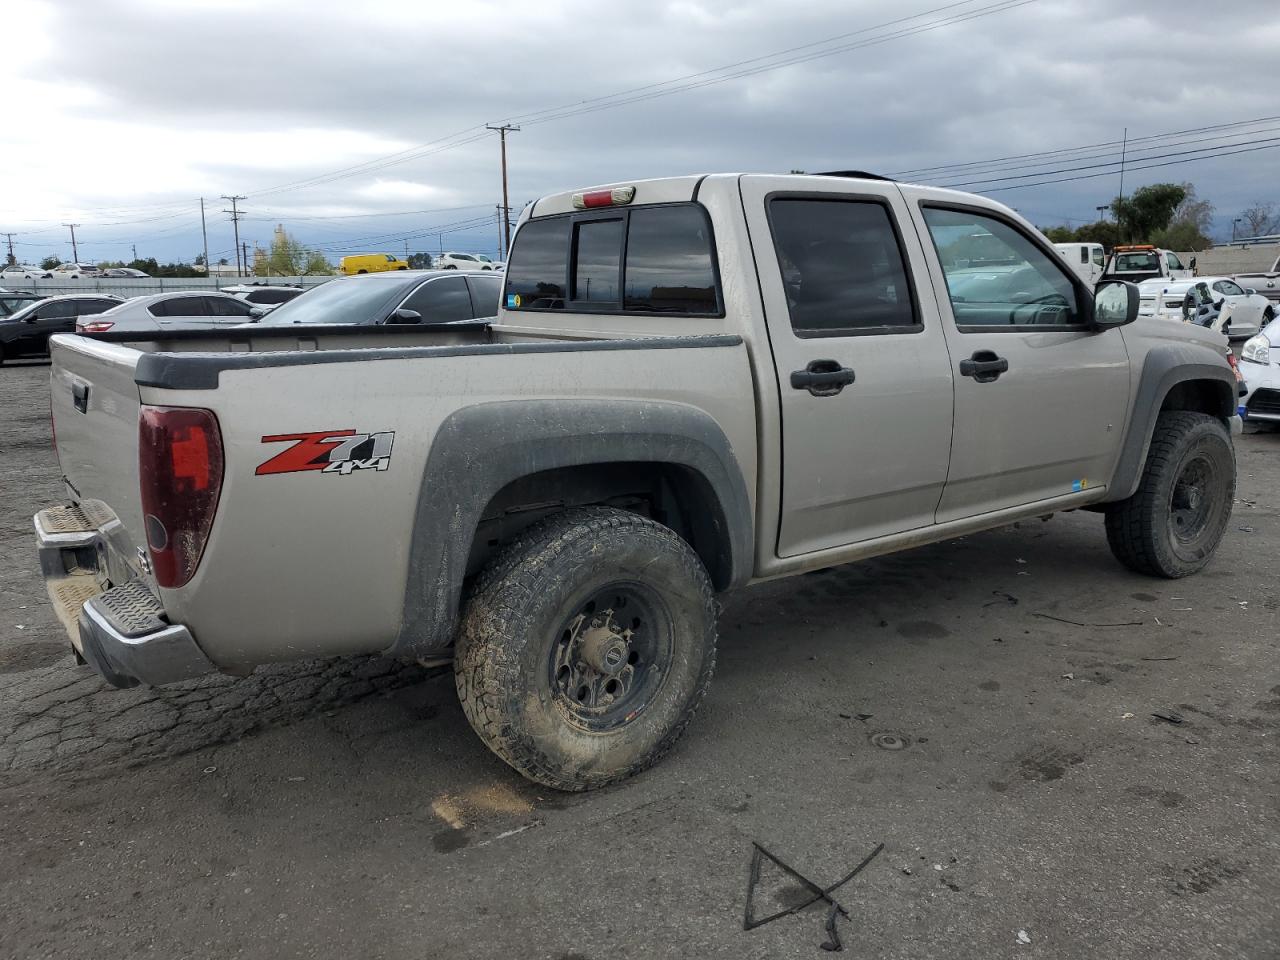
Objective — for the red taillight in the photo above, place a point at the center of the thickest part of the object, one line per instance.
(180, 469)
(95, 326)
(618, 196)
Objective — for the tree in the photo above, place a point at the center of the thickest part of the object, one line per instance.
(1059, 234)
(316, 265)
(288, 258)
(419, 261)
(1194, 211)
(48, 263)
(1181, 236)
(1260, 218)
(1147, 210)
(198, 260)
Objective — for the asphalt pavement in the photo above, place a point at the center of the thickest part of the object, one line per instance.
(1061, 758)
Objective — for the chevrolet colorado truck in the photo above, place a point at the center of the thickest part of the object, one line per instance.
(693, 384)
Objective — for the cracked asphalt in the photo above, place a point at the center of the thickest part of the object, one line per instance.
(982, 707)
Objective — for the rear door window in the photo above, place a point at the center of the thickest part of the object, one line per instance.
(647, 260)
(87, 308)
(180, 307)
(842, 266)
(228, 307)
(485, 292)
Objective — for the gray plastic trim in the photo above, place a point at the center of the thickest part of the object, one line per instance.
(521, 438)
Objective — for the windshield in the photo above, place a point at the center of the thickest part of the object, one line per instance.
(10, 305)
(1137, 262)
(357, 300)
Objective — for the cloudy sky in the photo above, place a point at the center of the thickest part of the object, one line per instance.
(361, 125)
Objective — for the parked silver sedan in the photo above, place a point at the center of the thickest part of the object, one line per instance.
(180, 310)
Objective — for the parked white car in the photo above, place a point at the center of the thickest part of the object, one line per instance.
(263, 295)
(1260, 367)
(1242, 313)
(74, 271)
(1086, 259)
(465, 261)
(24, 271)
(181, 310)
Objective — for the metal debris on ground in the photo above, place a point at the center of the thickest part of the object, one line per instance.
(1001, 597)
(1169, 716)
(1023, 937)
(1077, 623)
(759, 854)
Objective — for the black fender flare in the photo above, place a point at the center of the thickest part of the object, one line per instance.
(481, 449)
(1163, 369)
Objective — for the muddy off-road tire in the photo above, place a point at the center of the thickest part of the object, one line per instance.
(1173, 523)
(586, 646)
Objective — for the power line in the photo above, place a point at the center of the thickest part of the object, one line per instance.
(1112, 163)
(1149, 166)
(669, 87)
(1092, 146)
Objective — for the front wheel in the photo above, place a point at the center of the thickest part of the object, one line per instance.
(1174, 521)
(586, 646)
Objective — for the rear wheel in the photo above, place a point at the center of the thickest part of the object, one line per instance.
(2, 354)
(586, 646)
(1173, 523)
(362, 271)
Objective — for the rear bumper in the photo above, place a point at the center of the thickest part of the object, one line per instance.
(114, 620)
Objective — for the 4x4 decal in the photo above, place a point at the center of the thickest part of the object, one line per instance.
(329, 451)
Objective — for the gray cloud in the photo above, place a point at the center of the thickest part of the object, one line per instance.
(1053, 73)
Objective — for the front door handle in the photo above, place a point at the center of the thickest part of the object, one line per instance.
(984, 366)
(822, 378)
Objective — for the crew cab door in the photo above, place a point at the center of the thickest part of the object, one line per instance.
(1040, 398)
(860, 356)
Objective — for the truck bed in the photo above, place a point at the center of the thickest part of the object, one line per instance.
(266, 387)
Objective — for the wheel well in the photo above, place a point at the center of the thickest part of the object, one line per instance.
(1202, 396)
(674, 495)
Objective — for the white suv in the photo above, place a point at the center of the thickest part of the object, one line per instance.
(465, 261)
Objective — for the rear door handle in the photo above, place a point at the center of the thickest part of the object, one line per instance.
(822, 378)
(984, 366)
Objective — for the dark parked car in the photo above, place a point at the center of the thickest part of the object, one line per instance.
(12, 301)
(395, 296)
(26, 332)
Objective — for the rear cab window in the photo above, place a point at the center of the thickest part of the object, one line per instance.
(645, 260)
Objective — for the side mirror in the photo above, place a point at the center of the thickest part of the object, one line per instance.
(1115, 303)
(1193, 263)
(404, 315)
(257, 313)
(1251, 291)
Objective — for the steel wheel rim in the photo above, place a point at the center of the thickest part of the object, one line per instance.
(611, 656)
(1191, 503)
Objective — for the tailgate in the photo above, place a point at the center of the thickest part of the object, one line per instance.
(95, 419)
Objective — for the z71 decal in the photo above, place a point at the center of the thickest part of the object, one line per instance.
(329, 451)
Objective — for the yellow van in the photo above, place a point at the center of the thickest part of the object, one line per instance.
(370, 263)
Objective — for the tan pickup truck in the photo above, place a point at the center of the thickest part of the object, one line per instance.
(691, 384)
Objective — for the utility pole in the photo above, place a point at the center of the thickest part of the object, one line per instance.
(134, 248)
(500, 211)
(506, 203)
(1124, 149)
(246, 257)
(205, 235)
(12, 259)
(406, 250)
(235, 221)
(75, 254)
